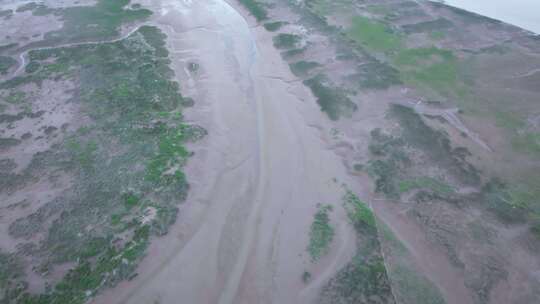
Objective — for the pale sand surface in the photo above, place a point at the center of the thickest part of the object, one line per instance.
(241, 236)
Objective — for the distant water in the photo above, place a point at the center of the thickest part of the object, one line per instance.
(522, 13)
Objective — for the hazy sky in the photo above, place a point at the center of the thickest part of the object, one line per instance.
(523, 13)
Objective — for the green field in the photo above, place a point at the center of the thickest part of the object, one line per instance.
(373, 35)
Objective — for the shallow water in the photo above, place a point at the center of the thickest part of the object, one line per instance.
(522, 13)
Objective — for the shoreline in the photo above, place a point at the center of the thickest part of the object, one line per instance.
(528, 24)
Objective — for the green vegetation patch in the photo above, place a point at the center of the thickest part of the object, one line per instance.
(11, 268)
(333, 101)
(364, 277)
(6, 63)
(408, 285)
(376, 75)
(389, 160)
(435, 144)
(16, 97)
(274, 26)
(8, 142)
(301, 68)
(323, 8)
(286, 41)
(6, 14)
(35, 8)
(510, 206)
(321, 233)
(127, 161)
(358, 211)
(101, 21)
(256, 8)
(32, 67)
(373, 35)
(431, 68)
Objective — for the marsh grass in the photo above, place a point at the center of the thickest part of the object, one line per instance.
(365, 276)
(130, 157)
(286, 41)
(435, 144)
(409, 286)
(359, 212)
(302, 68)
(432, 68)
(83, 23)
(376, 75)
(274, 26)
(332, 100)
(373, 35)
(6, 63)
(321, 233)
(256, 8)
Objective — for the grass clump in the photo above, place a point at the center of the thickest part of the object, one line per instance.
(274, 26)
(35, 8)
(321, 233)
(286, 41)
(390, 159)
(11, 268)
(306, 277)
(32, 67)
(358, 211)
(16, 97)
(376, 75)
(413, 287)
(8, 142)
(364, 277)
(6, 63)
(373, 35)
(6, 13)
(332, 101)
(408, 284)
(301, 68)
(504, 203)
(256, 9)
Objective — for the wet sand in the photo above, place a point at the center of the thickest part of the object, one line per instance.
(241, 236)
